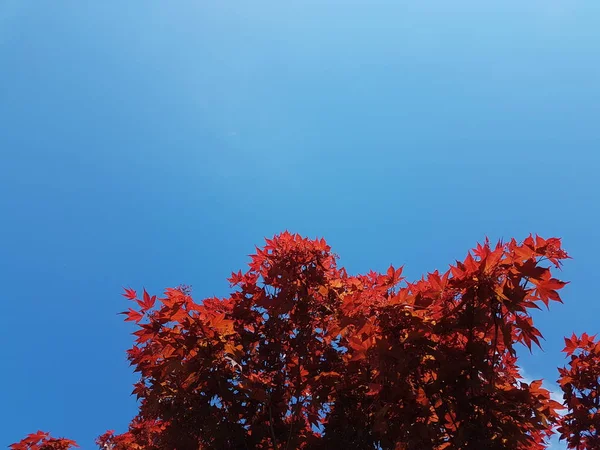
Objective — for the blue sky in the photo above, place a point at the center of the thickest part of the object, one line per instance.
(154, 143)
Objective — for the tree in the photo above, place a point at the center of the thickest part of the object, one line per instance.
(303, 355)
(581, 386)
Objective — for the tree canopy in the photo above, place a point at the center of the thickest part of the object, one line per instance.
(304, 355)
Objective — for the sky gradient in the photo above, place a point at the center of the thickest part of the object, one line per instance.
(150, 144)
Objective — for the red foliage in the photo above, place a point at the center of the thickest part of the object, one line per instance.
(43, 441)
(580, 383)
(303, 355)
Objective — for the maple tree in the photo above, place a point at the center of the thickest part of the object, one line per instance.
(581, 386)
(304, 355)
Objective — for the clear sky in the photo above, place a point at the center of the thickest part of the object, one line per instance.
(154, 143)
